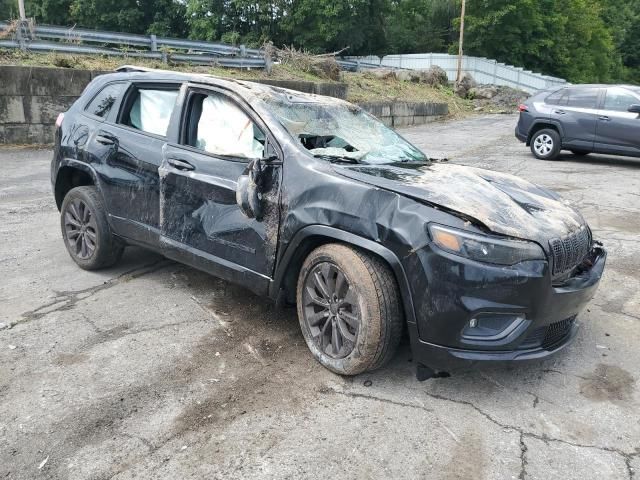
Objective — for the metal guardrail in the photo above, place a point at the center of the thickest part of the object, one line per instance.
(48, 38)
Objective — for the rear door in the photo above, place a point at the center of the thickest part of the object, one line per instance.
(132, 142)
(201, 223)
(576, 110)
(618, 129)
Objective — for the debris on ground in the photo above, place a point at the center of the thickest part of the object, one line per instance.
(433, 76)
(497, 98)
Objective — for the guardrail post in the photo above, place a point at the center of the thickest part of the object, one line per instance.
(243, 50)
(154, 43)
(495, 71)
(23, 26)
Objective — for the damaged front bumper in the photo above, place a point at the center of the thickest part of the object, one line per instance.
(531, 318)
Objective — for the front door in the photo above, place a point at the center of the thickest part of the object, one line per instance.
(201, 223)
(618, 129)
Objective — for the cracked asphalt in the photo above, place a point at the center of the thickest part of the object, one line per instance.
(154, 370)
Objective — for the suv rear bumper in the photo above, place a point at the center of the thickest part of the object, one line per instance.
(551, 326)
(521, 136)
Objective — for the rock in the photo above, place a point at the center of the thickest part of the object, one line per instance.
(465, 84)
(381, 73)
(483, 92)
(434, 76)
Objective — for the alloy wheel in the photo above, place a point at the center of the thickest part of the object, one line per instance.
(80, 229)
(331, 310)
(543, 144)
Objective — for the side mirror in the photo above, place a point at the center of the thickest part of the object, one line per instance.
(635, 108)
(248, 190)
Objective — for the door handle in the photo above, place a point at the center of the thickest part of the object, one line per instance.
(180, 164)
(604, 118)
(560, 112)
(106, 139)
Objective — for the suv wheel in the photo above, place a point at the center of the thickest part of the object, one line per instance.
(349, 309)
(86, 231)
(546, 144)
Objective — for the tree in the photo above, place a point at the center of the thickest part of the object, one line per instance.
(567, 38)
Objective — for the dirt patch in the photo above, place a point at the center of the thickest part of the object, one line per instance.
(608, 383)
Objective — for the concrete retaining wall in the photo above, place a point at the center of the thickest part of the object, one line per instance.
(404, 114)
(32, 97)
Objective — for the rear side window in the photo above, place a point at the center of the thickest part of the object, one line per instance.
(558, 98)
(619, 100)
(149, 110)
(583, 97)
(105, 99)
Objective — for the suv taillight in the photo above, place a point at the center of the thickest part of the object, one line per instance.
(523, 108)
(59, 120)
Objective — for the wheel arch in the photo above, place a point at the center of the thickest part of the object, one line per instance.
(541, 125)
(313, 236)
(72, 174)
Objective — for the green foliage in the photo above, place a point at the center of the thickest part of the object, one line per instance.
(580, 40)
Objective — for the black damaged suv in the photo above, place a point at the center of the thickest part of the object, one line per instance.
(311, 201)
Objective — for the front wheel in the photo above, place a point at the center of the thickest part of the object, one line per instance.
(349, 309)
(546, 144)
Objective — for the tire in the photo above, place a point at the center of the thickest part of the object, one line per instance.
(369, 294)
(546, 144)
(85, 230)
(580, 153)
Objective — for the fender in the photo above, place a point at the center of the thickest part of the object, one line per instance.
(78, 165)
(548, 121)
(351, 239)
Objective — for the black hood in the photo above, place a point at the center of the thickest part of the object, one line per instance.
(503, 203)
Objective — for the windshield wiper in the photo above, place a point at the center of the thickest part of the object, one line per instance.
(338, 158)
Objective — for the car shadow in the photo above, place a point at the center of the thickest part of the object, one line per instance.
(599, 159)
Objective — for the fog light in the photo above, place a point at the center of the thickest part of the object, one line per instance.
(488, 327)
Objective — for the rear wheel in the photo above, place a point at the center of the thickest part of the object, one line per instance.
(349, 309)
(546, 144)
(86, 231)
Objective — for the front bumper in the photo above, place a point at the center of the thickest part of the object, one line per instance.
(549, 312)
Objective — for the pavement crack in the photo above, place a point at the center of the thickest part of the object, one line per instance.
(523, 458)
(522, 432)
(66, 300)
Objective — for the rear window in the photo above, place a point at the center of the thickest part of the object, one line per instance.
(105, 99)
(150, 109)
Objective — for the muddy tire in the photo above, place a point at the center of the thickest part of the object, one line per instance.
(546, 144)
(349, 309)
(85, 230)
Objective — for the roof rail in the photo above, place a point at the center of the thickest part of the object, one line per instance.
(136, 68)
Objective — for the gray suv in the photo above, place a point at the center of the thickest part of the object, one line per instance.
(582, 119)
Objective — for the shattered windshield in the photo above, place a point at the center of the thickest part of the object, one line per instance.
(342, 132)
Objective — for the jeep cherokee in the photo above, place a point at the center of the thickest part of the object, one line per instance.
(311, 201)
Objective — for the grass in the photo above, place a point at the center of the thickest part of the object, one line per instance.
(362, 87)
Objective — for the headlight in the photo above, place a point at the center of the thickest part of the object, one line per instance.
(483, 248)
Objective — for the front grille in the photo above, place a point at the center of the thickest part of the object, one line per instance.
(569, 252)
(550, 336)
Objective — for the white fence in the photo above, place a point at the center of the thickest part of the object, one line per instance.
(484, 71)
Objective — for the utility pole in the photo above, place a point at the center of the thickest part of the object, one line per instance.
(23, 15)
(460, 45)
